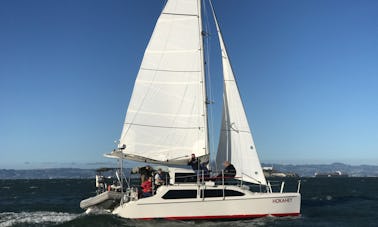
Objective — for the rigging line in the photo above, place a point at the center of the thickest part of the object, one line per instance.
(161, 126)
(251, 177)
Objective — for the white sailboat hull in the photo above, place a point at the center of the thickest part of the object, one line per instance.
(250, 205)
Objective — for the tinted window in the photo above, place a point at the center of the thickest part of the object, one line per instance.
(180, 194)
(219, 193)
(185, 177)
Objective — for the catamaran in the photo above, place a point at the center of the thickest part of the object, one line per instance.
(167, 121)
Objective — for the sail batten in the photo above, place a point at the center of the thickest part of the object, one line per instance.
(162, 126)
(181, 14)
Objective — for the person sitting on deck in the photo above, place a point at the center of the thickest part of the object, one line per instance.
(147, 188)
(145, 173)
(229, 171)
(193, 162)
(196, 165)
(159, 178)
(204, 170)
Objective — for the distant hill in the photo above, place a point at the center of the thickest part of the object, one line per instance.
(310, 170)
(53, 173)
(301, 170)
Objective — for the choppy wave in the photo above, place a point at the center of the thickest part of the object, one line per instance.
(47, 218)
(109, 220)
(39, 218)
(325, 202)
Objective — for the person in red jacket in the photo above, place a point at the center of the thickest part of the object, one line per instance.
(147, 188)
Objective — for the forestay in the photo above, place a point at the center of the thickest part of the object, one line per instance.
(236, 142)
(166, 118)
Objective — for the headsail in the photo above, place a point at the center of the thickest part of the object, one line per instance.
(236, 142)
(166, 120)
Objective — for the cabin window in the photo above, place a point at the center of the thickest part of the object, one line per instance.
(180, 194)
(219, 193)
(185, 177)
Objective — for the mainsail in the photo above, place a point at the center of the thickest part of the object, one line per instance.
(236, 143)
(166, 120)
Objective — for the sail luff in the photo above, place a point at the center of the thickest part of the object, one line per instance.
(244, 155)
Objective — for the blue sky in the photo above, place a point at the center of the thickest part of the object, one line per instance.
(307, 70)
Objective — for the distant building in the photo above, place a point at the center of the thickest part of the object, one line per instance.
(332, 174)
(270, 172)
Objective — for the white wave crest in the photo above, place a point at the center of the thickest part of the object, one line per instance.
(96, 210)
(38, 217)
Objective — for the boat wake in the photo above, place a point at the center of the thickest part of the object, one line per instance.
(97, 211)
(35, 218)
(101, 218)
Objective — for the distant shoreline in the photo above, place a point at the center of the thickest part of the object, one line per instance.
(300, 170)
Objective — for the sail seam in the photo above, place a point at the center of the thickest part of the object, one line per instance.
(162, 114)
(170, 51)
(164, 147)
(160, 126)
(167, 83)
(170, 70)
(181, 14)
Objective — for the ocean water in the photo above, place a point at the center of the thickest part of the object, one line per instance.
(325, 202)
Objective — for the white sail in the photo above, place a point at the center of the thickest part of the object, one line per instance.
(236, 142)
(166, 120)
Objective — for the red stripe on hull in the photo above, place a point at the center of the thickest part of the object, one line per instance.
(223, 217)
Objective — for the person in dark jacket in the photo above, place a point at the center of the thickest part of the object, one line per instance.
(193, 162)
(229, 170)
(145, 173)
